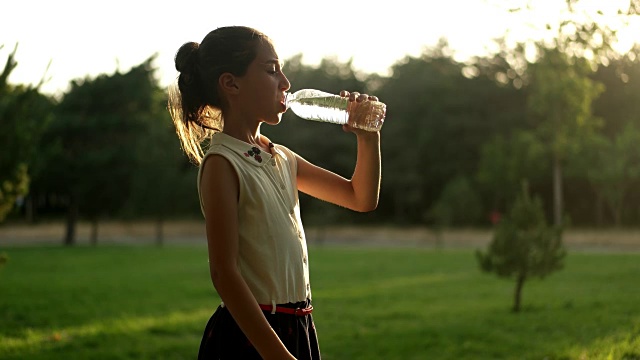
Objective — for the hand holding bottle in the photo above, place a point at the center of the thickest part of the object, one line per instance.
(361, 107)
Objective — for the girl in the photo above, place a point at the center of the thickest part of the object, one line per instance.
(229, 85)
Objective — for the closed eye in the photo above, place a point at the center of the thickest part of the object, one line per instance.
(273, 68)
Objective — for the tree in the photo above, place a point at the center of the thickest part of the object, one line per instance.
(457, 205)
(560, 101)
(89, 150)
(523, 245)
(440, 112)
(613, 166)
(163, 183)
(619, 102)
(619, 106)
(561, 78)
(24, 113)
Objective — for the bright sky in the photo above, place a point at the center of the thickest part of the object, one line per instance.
(87, 38)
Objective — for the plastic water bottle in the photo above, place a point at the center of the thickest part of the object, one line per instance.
(318, 105)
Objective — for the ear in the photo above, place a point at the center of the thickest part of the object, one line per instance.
(229, 83)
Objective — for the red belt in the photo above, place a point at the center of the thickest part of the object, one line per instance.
(286, 310)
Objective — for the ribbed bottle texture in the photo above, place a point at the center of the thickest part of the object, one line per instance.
(318, 105)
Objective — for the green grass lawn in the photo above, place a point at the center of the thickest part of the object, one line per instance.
(135, 302)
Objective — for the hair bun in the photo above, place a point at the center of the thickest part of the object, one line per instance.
(187, 56)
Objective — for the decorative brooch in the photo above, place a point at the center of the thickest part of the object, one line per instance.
(255, 152)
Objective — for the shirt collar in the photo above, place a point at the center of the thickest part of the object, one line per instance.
(250, 153)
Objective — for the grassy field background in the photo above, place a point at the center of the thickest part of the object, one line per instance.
(124, 301)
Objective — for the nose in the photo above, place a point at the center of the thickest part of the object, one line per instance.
(284, 83)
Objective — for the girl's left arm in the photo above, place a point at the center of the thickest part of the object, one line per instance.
(361, 192)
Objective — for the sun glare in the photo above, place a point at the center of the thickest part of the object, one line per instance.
(104, 39)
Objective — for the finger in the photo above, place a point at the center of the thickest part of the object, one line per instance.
(362, 97)
(344, 93)
(353, 96)
(373, 98)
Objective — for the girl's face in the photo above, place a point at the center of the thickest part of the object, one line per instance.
(263, 86)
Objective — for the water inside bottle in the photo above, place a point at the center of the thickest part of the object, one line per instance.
(324, 108)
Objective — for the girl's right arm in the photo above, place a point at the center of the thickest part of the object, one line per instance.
(219, 191)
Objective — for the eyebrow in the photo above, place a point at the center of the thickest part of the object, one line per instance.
(274, 61)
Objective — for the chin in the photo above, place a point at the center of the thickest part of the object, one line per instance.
(273, 121)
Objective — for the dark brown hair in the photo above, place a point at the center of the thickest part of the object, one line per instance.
(195, 104)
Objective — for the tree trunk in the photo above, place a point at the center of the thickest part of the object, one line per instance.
(30, 209)
(159, 231)
(617, 215)
(599, 210)
(557, 191)
(398, 207)
(517, 296)
(72, 219)
(94, 231)
(612, 207)
(616, 209)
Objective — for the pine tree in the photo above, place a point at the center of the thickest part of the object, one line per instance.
(524, 245)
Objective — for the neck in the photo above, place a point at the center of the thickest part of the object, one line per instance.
(248, 134)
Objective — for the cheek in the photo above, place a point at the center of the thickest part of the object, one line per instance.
(263, 86)
(266, 89)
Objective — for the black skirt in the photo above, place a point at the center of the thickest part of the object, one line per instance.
(223, 339)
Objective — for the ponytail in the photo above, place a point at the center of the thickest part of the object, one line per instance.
(194, 119)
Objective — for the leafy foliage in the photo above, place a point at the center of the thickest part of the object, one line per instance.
(612, 167)
(458, 205)
(538, 112)
(24, 113)
(163, 184)
(504, 162)
(438, 121)
(560, 102)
